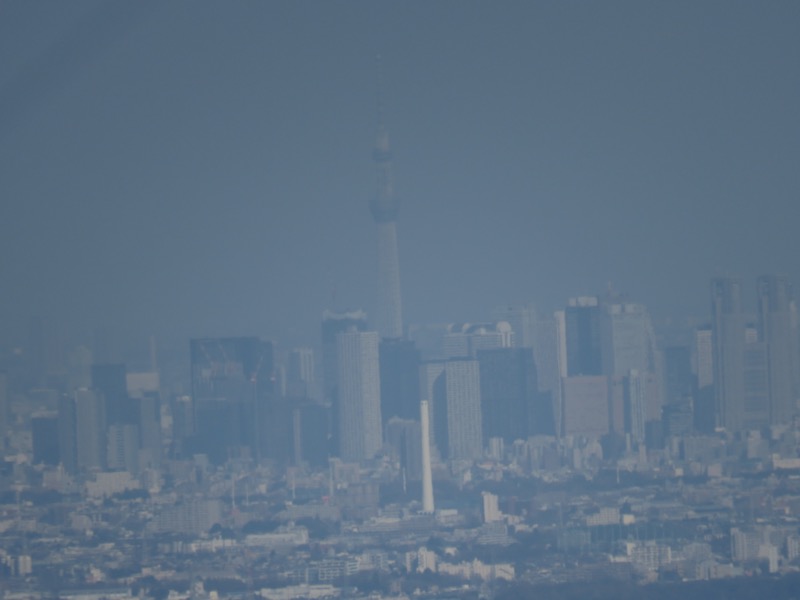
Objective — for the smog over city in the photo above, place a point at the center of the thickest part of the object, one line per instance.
(309, 299)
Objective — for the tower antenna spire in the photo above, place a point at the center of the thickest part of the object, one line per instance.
(381, 134)
(379, 91)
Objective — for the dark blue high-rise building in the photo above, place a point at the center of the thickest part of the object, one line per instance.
(511, 406)
(584, 344)
(399, 371)
(109, 380)
(235, 409)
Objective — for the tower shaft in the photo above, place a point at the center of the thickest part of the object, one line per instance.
(383, 207)
(390, 320)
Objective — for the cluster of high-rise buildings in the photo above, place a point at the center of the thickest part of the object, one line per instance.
(591, 370)
(339, 436)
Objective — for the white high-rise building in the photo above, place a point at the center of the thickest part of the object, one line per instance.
(463, 398)
(359, 404)
(491, 509)
(728, 334)
(427, 477)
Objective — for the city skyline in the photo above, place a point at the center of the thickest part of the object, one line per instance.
(213, 388)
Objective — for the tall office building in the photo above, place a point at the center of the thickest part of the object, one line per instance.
(511, 406)
(585, 409)
(44, 435)
(359, 402)
(627, 339)
(728, 352)
(556, 366)
(546, 355)
(67, 432)
(628, 346)
(463, 406)
(109, 381)
(779, 334)
(300, 375)
(90, 430)
(582, 333)
(679, 381)
(704, 405)
(399, 363)
(122, 453)
(232, 397)
(455, 407)
(383, 207)
(755, 385)
(334, 323)
(704, 356)
(149, 430)
(635, 386)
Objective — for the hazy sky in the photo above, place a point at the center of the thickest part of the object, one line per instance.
(203, 168)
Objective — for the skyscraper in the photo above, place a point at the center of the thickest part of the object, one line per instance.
(585, 410)
(232, 393)
(109, 381)
(678, 378)
(778, 332)
(728, 352)
(90, 430)
(635, 390)
(300, 376)
(384, 211)
(463, 402)
(334, 323)
(704, 356)
(44, 435)
(583, 343)
(399, 363)
(704, 403)
(510, 399)
(360, 435)
(67, 432)
(627, 339)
